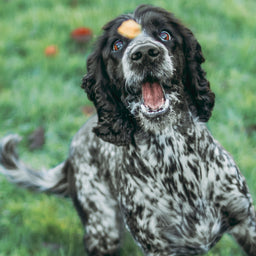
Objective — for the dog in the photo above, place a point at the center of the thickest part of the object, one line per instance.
(147, 160)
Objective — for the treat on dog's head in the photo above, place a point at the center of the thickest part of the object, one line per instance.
(129, 29)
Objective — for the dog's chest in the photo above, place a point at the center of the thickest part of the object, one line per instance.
(164, 171)
(165, 193)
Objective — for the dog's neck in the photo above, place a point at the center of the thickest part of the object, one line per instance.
(183, 138)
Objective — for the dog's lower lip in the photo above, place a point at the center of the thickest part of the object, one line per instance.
(154, 113)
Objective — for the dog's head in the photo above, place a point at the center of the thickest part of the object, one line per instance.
(148, 81)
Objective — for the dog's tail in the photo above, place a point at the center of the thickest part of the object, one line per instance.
(52, 181)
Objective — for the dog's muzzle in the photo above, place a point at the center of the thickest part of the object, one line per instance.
(147, 68)
(154, 102)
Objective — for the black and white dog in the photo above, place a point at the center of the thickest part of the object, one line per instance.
(147, 159)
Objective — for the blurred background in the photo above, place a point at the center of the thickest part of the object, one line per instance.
(43, 49)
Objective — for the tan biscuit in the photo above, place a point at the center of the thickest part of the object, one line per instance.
(129, 29)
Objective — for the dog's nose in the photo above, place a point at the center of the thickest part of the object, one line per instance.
(149, 52)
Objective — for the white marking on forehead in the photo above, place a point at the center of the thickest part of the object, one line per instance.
(143, 36)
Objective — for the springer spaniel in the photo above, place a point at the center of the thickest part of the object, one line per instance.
(147, 160)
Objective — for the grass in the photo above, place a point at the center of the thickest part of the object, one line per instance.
(39, 91)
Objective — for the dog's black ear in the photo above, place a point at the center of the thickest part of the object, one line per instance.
(114, 122)
(200, 97)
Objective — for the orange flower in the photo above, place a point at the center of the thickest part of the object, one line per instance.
(81, 35)
(51, 50)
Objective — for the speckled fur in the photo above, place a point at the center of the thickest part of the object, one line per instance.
(174, 187)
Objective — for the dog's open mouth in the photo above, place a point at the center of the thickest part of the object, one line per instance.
(154, 102)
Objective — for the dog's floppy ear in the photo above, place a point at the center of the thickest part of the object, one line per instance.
(114, 123)
(200, 97)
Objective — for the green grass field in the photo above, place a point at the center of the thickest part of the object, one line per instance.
(39, 91)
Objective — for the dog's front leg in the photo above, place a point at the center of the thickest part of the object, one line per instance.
(245, 233)
(97, 209)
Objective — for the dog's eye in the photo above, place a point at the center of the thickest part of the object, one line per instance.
(165, 36)
(117, 45)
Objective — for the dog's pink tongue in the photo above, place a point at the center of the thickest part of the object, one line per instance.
(152, 95)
